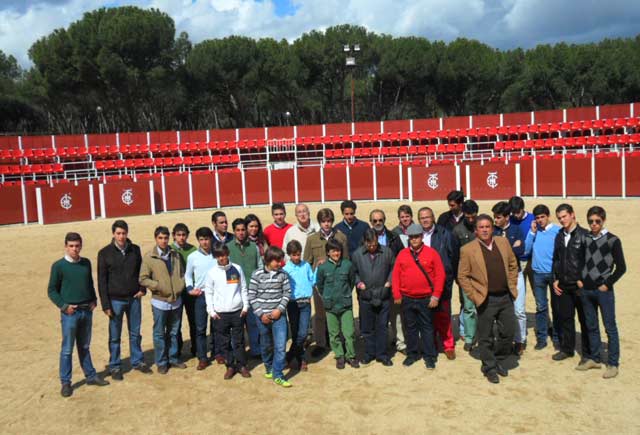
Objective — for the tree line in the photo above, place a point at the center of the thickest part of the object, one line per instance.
(124, 69)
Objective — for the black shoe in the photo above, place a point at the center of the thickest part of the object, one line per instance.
(367, 360)
(318, 351)
(492, 377)
(540, 345)
(430, 364)
(143, 368)
(116, 375)
(385, 362)
(353, 362)
(66, 390)
(560, 356)
(340, 363)
(502, 371)
(163, 370)
(179, 365)
(98, 381)
(408, 361)
(468, 346)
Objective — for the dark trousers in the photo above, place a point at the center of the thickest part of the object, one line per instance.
(200, 317)
(418, 318)
(374, 323)
(568, 304)
(299, 316)
(230, 336)
(189, 303)
(496, 309)
(591, 301)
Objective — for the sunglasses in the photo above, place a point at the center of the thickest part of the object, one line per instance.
(594, 221)
(377, 221)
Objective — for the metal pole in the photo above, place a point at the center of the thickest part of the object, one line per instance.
(353, 103)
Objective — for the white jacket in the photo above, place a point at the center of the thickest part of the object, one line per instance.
(225, 289)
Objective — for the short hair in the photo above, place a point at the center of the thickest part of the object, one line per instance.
(470, 207)
(564, 207)
(238, 221)
(377, 210)
(516, 203)
(348, 204)
(370, 235)
(180, 227)
(456, 195)
(541, 209)
(273, 253)
(325, 214)
(404, 208)
(426, 209)
(598, 211)
(501, 208)
(119, 224)
(333, 245)
(220, 249)
(294, 247)
(216, 215)
(204, 232)
(72, 237)
(161, 230)
(278, 206)
(483, 217)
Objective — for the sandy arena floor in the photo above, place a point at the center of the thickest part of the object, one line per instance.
(540, 396)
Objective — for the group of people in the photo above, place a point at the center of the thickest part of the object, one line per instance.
(264, 283)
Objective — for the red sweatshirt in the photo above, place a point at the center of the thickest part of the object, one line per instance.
(408, 279)
(274, 235)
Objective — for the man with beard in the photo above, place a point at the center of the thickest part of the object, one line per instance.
(451, 218)
(386, 238)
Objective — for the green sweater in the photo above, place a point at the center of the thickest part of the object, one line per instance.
(184, 252)
(335, 283)
(246, 256)
(71, 283)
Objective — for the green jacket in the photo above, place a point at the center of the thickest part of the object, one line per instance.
(247, 256)
(184, 252)
(335, 282)
(154, 275)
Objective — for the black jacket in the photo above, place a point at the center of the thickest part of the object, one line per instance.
(118, 274)
(447, 220)
(393, 242)
(568, 261)
(374, 273)
(446, 244)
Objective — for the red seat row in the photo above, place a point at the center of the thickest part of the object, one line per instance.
(570, 142)
(413, 150)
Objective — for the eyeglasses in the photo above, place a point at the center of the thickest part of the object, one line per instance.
(377, 221)
(594, 221)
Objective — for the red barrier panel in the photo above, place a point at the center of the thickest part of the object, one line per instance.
(455, 122)
(615, 111)
(367, 127)
(526, 177)
(32, 203)
(632, 171)
(176, 189)
(11, 212)
(578, 176)
(283, 185)
(128, 198)
(338, 129)
(486, 121)
(426, 124)
(36, 142)
(433, 183)
(251, 133)
(581, 113)
(65, 203)
(361, 182)
(335, 183)
(69, 140)
(309, 130)
(133, 138)
(309, 187)
(518, 118)
(546, 116)
(549, 177)
(230, 186)
(405, 182)
(396, 126)
(190, 136)
(279, 132)
(9, 142)
(636, 110)
(256, 183)
(105, 139)
(228, 134)
(493, 180)
(608, 175)
(203, 185)
(163, 137)
(387, 181)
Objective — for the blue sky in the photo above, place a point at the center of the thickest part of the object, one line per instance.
(503, 24)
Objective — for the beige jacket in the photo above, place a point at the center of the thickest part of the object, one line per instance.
(154, 275)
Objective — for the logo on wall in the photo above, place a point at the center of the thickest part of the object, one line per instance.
(492, 180)
(432, 182)
(65, 201)
(127, 196)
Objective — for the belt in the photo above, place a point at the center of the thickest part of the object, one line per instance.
(83, 307)
(498, 294)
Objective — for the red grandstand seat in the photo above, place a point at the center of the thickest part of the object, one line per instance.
(329, 154)
(119, 164)
(499, 146)
(167, 161)
(178, 161)
(5, 155)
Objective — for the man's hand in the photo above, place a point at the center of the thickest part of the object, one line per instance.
(433, 302)
(580, 284)
(216, 316)
(70, 309)
(387, 284)
(534, 227)
(603, 288)
(321, 261)
(92, 306)
(361, 286)
(518, 243)
(108, 312)
(557, 290)
(397, 301)
(243, 313)
(265, 319)
(275, 314)
(195, 292)
(139, 294)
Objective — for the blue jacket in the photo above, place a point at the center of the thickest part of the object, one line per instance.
(541, 245)
(446, 244)
(301, 278)
(354, 233)
(514, 233)
(525, 226)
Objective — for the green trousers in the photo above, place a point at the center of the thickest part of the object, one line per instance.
(470, 317)
(342, 322)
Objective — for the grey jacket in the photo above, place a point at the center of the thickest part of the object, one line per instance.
(374, 273)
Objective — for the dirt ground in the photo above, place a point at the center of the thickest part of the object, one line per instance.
(539, 396)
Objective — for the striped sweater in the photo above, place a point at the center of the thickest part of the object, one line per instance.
(269, 290)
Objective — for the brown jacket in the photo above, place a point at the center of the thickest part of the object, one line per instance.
(314, 249)
(154, 275)
(472, 270)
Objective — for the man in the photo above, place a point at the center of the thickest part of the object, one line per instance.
(198, 265)
(180, 234)
(274, 233)
(220, 225)
(377, 219)
(568, 264)
(120, 295)
(417, 282)
(539, 244)
(446, 245)
(162, 274)
(604, 266)
(351, 226)
(405, 218)
(315, 254)
(451, 218)
(513, 233)
(71, 290)
(523, 219)
(488, 275)
(301, 230)
(245, 254)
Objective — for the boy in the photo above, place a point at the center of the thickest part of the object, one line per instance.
(335, 281)
(269, 293)
(302, 280)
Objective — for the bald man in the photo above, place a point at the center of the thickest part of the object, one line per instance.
(303, 227)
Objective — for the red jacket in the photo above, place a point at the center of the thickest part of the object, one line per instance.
(408, 279)
(275, 235)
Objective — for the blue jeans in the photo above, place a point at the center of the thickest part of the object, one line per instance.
(201, 317)
(132, 308)
(299, 316)
(273, 340)
(76, 329)
(591, 300)
(253, 330)
(166, 325)
(519, 307)
(542, 282)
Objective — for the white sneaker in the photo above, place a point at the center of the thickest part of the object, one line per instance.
(611, 372)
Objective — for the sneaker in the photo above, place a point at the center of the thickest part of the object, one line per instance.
(98, 381)
(268, 375)
(353, 362)
(340, 363)
(540, 345)
(450, 353)
(559, 356)
(492, 377)
(283, 382)
(588, 364)
(116, 375)
(143, 368)
(244, 372)
(66, 390)
(430, 364)
(408, 361)
(610, 372)
(179, 365)
(163, 369)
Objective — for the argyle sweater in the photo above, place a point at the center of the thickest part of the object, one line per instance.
(604, 261)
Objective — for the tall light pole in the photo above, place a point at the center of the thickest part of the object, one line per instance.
(350, 62)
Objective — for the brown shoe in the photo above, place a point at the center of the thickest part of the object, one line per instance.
(304, 366)
(450, 353)
(229, 373)
(202, 364)
(519, 348)
(220, 359)
(244, 372)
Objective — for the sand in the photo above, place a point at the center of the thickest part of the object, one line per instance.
(539, 396)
